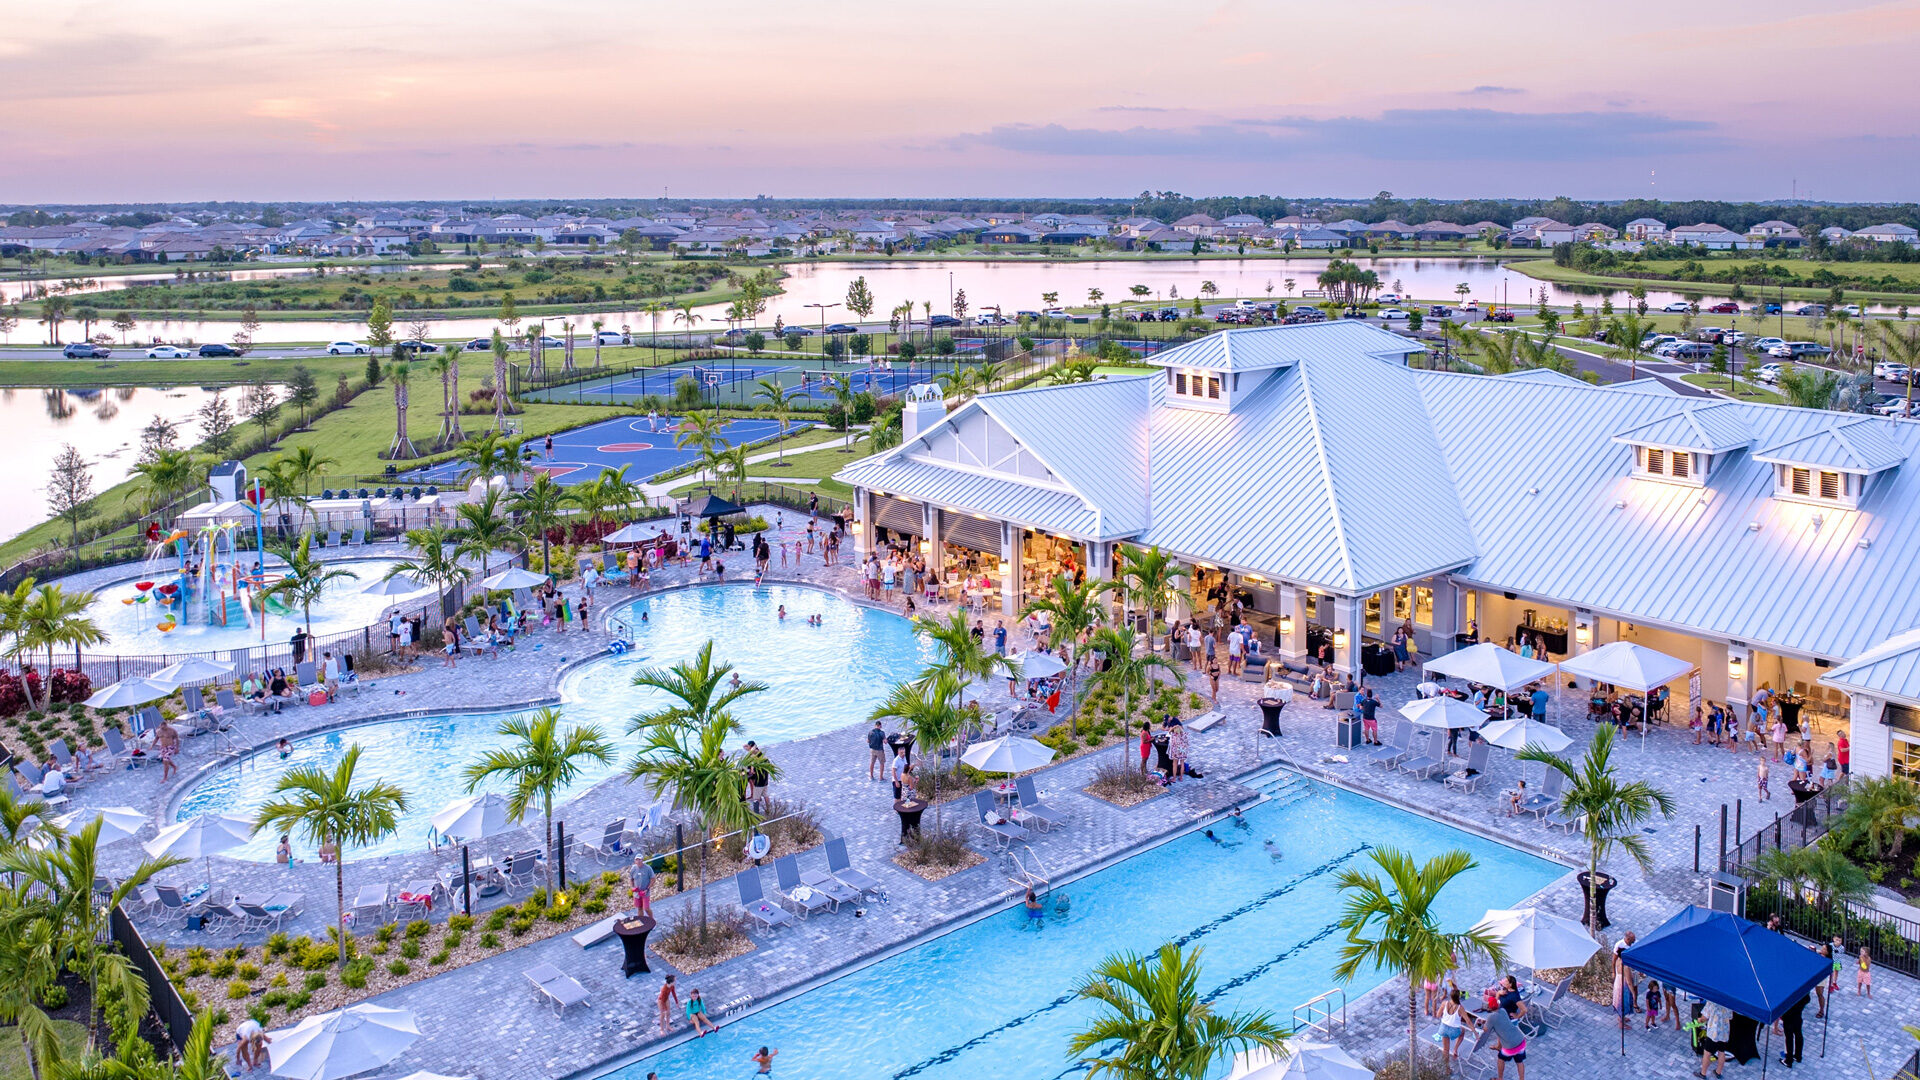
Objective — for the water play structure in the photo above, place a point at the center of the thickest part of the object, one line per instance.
(203, 575)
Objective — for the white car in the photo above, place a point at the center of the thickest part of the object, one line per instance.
(1677, 307)
(1783, 350)
(1244, 305)
(1393, 313)
(1850, 309)
(1894, 407)
(347, 348)
(1765, 343)
(611, 337)
(1654, 341)
(1389, 298)
(1055, 313)
(168, 352)
(1769, 373)
(1890, 371)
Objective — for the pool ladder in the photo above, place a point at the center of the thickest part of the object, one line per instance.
(1025, 877)
(1318, 1014)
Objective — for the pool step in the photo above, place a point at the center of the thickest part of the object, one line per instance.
(1281, 786)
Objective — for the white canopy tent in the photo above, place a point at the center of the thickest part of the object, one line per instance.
(1630, 666)
(1298, 1059)
(1490, 665)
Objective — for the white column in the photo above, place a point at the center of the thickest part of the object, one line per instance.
(1348, 614)
(1713, 670)
(1010, 558)
(1099, 560)
(1446, 617)
(1293, 616)
(930, 528)
(1872, 738)
(862, 523)
(1575, 634)
(1740, 682)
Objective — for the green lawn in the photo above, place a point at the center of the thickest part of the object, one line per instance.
(1745, 391)
(810, 465)
(13, 1058)
(1906, 274)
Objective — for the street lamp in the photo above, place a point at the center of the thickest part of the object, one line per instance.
(823, 314)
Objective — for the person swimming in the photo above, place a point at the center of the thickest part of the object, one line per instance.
(1273, 850)
(781, 613)
(286, 749)
(1239, 819)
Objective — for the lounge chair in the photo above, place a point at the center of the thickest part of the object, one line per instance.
(226, 700)
(1473, 1063)
(216, 914)
(308, 673)
(1032, 807)
(754, 901)
(1003, 832)
(375, 901)
(63, 757)
(141, 903)
(1560, 817)
(1390, 756)
(359, 537)
(1540, 1013)
(1547, 797)
(843, 871)
(274, 912)
(521, 867)
(333, 538)
(557, 987)
(417, 896)
(117, 749)
(612, 843)
(1476, 768)
(174, 903)
(474, 630)
(824, 881)
(1424, 759)
(805, 899)
(29, 776)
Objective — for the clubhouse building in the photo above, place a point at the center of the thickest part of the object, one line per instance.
(1343, 493)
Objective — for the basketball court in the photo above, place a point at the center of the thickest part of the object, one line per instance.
(732, 383)
(645, 448)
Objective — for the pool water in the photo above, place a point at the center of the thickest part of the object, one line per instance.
(820, 678)
(996, 998)
(133, 629)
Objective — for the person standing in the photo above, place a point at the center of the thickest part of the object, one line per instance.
(1762, 778)
(642, 878)
(299, 644)
(1369, 707)
(1843, 750)
(876, 750)
(900, 770)
(1863, 983)
(1793, 1044)
(1146, 744)
(669, 999)
(764, 1059)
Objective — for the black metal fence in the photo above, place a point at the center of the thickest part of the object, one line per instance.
(1891, 941)
(164, 997)
(1774, 829)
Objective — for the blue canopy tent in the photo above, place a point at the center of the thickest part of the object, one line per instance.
(1730, 961)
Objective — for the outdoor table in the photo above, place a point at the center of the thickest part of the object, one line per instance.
(1804, 792)
(486, 875)
(1270, 716)
(899, 740)
(633, 932)
(909, 809)
(1790, 712)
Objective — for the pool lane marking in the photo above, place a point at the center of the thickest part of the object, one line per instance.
(1268, 897)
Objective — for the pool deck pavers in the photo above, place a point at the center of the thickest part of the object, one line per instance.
(483, 1020)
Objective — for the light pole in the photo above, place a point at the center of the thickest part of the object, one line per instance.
(822, 308)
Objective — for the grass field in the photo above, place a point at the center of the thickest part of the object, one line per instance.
(1743, 390)
(1908, 274)
(13, 1058)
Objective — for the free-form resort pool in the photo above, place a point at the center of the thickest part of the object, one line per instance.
(819, 677)
(996, 998)
(199, 620)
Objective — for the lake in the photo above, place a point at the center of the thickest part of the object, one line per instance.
(103, 424)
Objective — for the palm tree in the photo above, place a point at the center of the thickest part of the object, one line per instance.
(487, 455)
(52, 310)
(538, 762)
(963, 656)
(1152, 1007)
(700, 691)
(1879, 809)
(307, 578)
(1147, 577)
(1394, 926)
(1823, 865)
(930, 707)
(1540, 353)
(280, 483)
(443, 365)
(327, 809)
(499, 344)
(1127, 673)
(164, 478)
(780, 399)
(399, 373)
(687, 317)
(29, 967)
(62, 877)
(1903, 347)
(700, 431)
(53, 617)
(486, 530)
(1072, 610)
(1808, 387)
(309, 465)
(432, 562)
(841, 387)
(1626, 336)
(539, 505)
(1503, 352)
(1074, 371)
(691, 760)
(1612, 813)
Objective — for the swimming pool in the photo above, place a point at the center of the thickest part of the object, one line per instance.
(134, 628)
(820, 678)
(997, 999)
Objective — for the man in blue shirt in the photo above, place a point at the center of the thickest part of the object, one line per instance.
(1000, 637)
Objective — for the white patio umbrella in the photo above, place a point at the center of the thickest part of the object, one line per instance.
(1490, 665)
(342, 1043)
(1007, 754)
(474, 817)
(1520, 731)
(1298, 1059)
(397, 585)
(130, 691)
(1443, 712)
(1537, 939)
(634, 533)
(513, 577)
(117, 823)
(425, 1075)
(1039, 665)
(1629, 665)
(194, 669)
(202, 837)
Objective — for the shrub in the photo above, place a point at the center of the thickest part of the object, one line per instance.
(248, 972)
(681, 934)
(299, 1001)
(379, 948)
(437, 958)
(453, 939)
(1120, 781)
(398, 968)
(222, 968)
(386, 932)
(259, 1015)
(520, 925)
(274, 999)
(238, 989)
(410, 949)
(354, 975)
(937, 847)
(196, 966)
(460, 922)
(314, 981)
(54, 997)
(595, 906)
(279, 979)
(418, 928)
(489, 941)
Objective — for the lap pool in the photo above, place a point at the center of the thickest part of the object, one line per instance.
(996, 998)
(819, 678)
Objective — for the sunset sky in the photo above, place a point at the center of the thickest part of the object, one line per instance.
(353, 99)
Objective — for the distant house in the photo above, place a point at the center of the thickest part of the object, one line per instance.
(1197, 225)
(1834, 234)
(1712, 237)
(1318, 238)
(1888, 234)
(1137, 226)
(1347, 226)
(1646, 228)
(1389, 230)
(1526, 223)
(1594, 232)
(1009, 233)
(1166, 239)
(1780, 234)
(1072, 234)
(1549, 233)
(1439, 230)
(384, 239)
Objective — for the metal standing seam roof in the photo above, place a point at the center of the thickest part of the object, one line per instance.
(1011, 500)
(1093, 436)
(1710, 429)
(1261, 348)
(1856, 445)
(1890, 669)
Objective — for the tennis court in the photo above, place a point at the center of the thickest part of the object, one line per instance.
(645, 447)
(735, 383)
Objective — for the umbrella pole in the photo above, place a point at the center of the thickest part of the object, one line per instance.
(466, 881)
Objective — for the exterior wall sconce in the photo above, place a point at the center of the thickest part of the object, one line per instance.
(1339, 639)
(1736, 667)
(1286, 626)
(1580, 633)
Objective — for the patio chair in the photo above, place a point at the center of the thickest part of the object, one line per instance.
(612, 843)
(1254, 670)
(1541, 1014)
(1473, 1063)
(1390, 756)
(333, 538)
(307, 672)
(1561, 818)
(173, 903)
(557, 987)
(521, 868)
(1547, 797)
(824, 881)
(805, 899)
(140, 903)
(63, 757)
(217, 916)
(1476, 768)
(754, 901)
(843, 871)
(359, 537)
(474, 631)
(28, 775)
(1032, 807)
(117, 749)
(417, 896)
(275, 912)
(1426, 758)
(374, 900)
(1004, 833)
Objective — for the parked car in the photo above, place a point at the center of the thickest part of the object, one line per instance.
(1769, 373)
(1769, 309)
(478, 344)
(217, 349)
(1654, 341)
(168, 352)
(1055, 313)
(1891, 371)
(1244, 304)
(415, 345)
(1026, 315)
(803, 331)
(1472, 305)
(1389, 298)
(943, 320)
(612, 337)
(840, 328)
(991, 319)
(1765, 343)
(1169, 314)
(1691, 350)
(1850, 309)
(1393, 313)
(1810, 309)
(1897, 407)
(1677, 307)
(81, 350)
(548, 341)
(347, 348)
(1439, 311)
(1793, 350)
(1725, 307)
